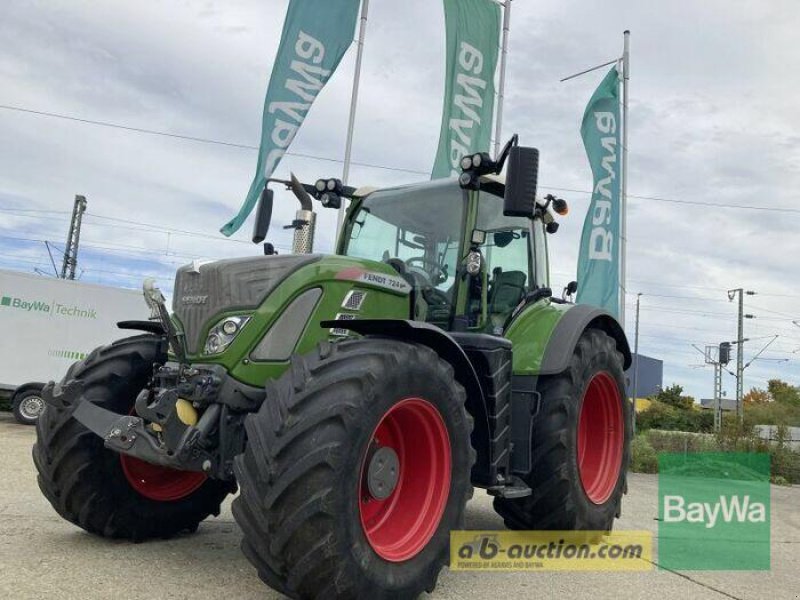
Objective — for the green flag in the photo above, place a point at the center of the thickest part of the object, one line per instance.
(598, 260)
(473, 38)
(316, 34)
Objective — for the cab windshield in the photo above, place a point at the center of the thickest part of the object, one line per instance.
(417, 230)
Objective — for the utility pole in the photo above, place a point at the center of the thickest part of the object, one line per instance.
(73, 239)
(636, 362)
(717, 396)
(718, 357)
(740, 347)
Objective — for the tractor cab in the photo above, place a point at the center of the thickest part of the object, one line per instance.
(468, 263)
(471, 250)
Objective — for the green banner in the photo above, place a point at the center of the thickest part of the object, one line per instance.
(473, 39)
(598, 259)
(316, 34)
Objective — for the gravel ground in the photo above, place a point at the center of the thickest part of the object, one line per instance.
(43, 556)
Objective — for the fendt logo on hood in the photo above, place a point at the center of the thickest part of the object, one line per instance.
(197, 299)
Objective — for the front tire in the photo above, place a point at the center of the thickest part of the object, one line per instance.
(581, 445)
(28, 406)
(102, 491)
(324, 514)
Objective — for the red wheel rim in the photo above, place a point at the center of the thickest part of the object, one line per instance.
(601, 434)
(399, 526)
(158, 483)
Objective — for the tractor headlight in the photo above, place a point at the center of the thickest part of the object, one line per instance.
(223, 333)
(473, 263)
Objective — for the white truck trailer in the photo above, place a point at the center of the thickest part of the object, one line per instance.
(46, 324)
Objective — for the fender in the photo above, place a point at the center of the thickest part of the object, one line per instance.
(32, 385)
(568, 331)
(153, 327)
(446, 347)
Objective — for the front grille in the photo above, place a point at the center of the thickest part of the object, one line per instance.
(203, 291)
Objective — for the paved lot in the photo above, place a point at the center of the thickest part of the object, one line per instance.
(42, 556)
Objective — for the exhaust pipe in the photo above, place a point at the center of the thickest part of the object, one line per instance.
(305, 222)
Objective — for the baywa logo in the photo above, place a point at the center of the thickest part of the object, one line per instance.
(52, 308)
(729, 508)
(714, 511)
(28, 305)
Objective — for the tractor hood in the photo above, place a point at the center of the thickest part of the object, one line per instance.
(203, 290)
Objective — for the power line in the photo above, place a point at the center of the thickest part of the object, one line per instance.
(700, 287)
(191, 138)
(33, 210)
(122, 247)
(124, 223)
(774, 312)
(204, 140)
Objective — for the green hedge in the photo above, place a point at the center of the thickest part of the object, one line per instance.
(647, 445)
(660, 415)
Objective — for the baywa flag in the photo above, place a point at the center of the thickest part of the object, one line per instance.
(598, 261)
(473, 37)
(316, 34)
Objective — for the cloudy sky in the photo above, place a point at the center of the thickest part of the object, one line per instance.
(713, 121)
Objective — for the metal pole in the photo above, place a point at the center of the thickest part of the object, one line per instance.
(624, 233)
(636, 362)
(740, 356)
(498, 131)
(73, 239)
(362, 33)
(717, 396)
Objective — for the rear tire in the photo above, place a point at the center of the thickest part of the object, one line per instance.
(87, 484)
(28, 406)
(307, 510)
(578, 472)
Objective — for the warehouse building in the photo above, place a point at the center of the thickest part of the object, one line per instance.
(651, 376)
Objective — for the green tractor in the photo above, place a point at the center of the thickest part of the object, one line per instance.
(356, 399)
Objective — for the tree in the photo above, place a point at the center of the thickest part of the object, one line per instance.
(673, 396)
(757, 396)
(783, 392)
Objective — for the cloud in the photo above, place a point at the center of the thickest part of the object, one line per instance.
(713, 119)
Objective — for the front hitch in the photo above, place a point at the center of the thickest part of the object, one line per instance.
(129, 435)
(180, 446)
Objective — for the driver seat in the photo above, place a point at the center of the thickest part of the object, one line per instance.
(508, 289)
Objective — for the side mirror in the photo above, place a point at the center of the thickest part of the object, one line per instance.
(572, 287)
(521, 177)
(263, 216)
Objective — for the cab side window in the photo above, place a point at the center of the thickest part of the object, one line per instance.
(508, 268)
(508, 256)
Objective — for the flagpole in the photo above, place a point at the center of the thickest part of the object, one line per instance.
(362, 32)
(498, 132)
(624, 249)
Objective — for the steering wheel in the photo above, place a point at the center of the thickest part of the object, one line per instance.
(432, 295)
(433, 272)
